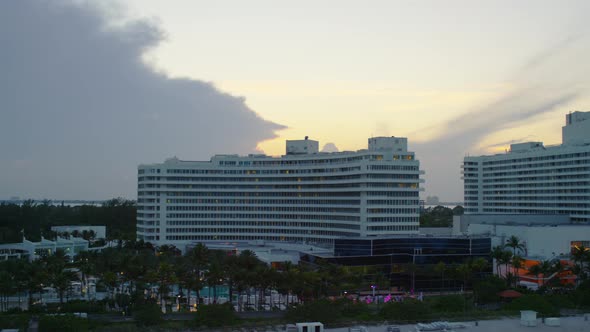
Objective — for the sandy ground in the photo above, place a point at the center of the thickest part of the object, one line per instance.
(577, 323)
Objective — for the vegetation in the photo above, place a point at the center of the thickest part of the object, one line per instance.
(215, 315)
(34, 220)
(408, 310)
(14, 321)
(138, 278)
(62, 323)
(534, 302)
(439, 216)
(148, 314)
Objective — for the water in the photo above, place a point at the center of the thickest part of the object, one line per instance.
(222, 291)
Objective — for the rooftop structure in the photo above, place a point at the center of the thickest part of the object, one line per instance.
(34, 250)
(532, 178)
(303, 196)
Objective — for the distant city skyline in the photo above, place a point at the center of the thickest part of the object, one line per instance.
(89, 91)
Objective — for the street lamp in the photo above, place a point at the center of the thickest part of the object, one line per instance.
(373, 287)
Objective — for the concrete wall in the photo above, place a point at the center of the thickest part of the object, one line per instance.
(545, 236)
(545, 242)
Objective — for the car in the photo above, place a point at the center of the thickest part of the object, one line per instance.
(392, 328)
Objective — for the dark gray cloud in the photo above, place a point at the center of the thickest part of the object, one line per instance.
(79, 109)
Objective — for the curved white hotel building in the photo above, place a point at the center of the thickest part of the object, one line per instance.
(532, 178)
(303, 196)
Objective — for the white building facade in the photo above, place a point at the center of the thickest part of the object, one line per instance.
(545, 237)
(532, 178)
(303, 196)
(35, 250)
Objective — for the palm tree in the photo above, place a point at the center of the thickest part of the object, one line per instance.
(6, 287)
(197, 260)
(514, 243)
(496, 254)
(165, 277)
(62, 281)
(464, 270)
(35, 275)
(505, 259)
(84, 262)
(287, 280)
(441, 267)
(580, 255)
(517, 263)
(478, 265)
(411, 268)
(546, 267)
(230, 270)
(214, 277)
(535, 270)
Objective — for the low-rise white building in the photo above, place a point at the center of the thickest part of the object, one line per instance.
(545, 237)
(271, 253)
(34, 250)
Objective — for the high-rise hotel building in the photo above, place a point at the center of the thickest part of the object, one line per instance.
(303, 196)
(532, 178)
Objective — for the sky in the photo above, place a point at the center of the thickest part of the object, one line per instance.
(89, 90)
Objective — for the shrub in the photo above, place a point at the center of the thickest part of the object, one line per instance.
(581, 297)
(83, 306)
(20, 321)
(561, 301)
(148, 314)
(486, 290)
(320, 311)
(65, 323)
(407, 310)
(215, 315)
(533, 302)
(351, 309)
(448, 303)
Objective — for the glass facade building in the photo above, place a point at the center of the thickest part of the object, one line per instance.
(393, 256)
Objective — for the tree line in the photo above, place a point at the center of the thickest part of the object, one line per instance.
(33, 219)
(136, 273)
(439, 216)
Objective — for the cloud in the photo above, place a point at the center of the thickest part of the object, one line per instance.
(538, 88)
(81, 107)
(528, 138)
(330, 147)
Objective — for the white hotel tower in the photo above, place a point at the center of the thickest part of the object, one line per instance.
(304, 196)
(534, 179)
